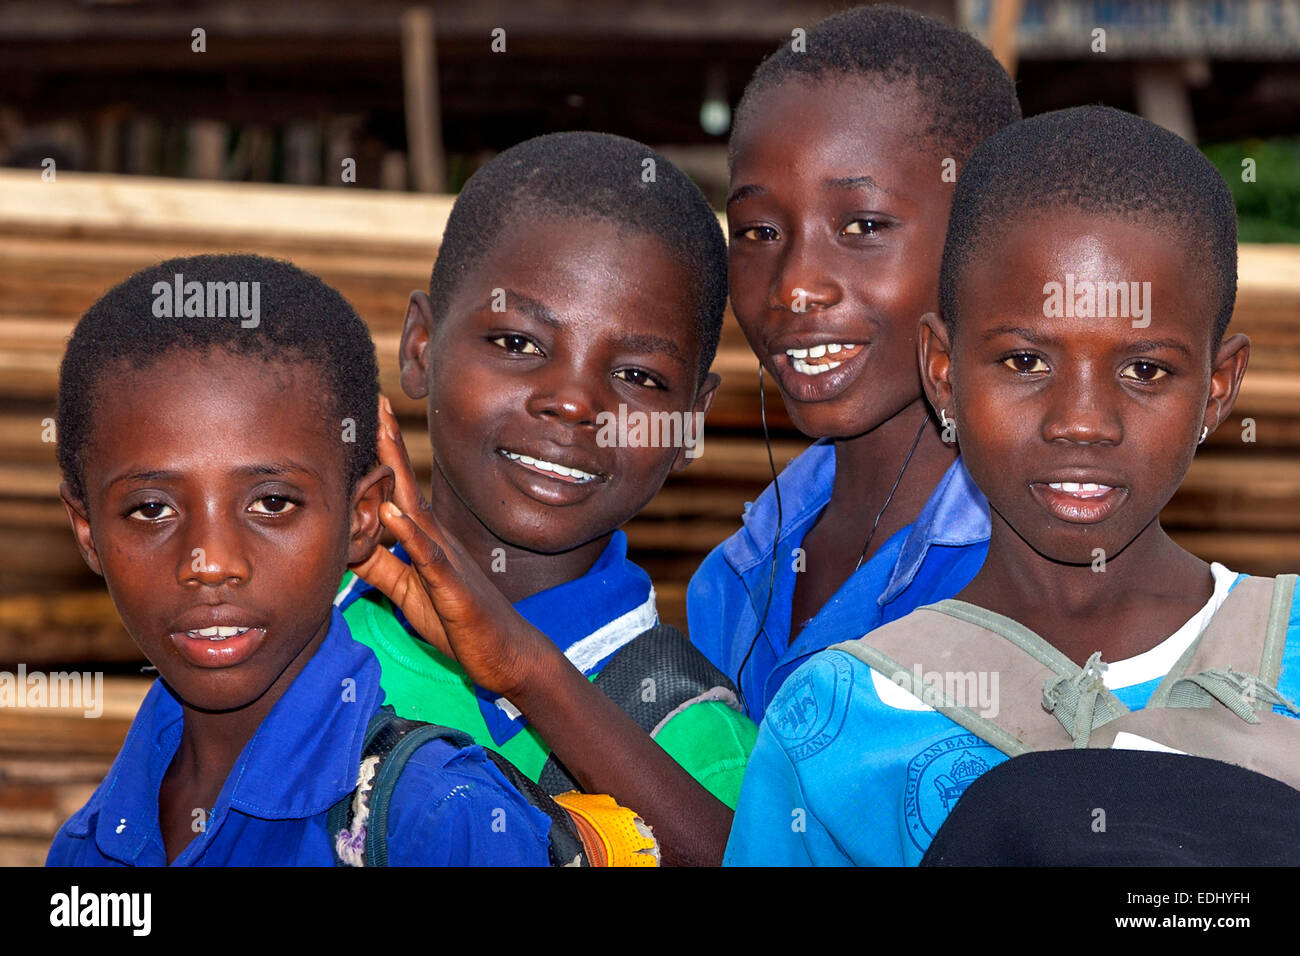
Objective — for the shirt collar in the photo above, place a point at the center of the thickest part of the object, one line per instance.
(805, 486)
(301, 761)
(588, 618)
(956, 514)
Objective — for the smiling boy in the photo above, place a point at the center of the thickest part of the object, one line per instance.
(843, 161)
(220, 478)
(1079, 429)
(581, 275)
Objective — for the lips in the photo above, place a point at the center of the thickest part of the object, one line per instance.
(553, 469)
(1079, 499)
(819, 359)
(220, 636)
(540, 474)
(817, 370)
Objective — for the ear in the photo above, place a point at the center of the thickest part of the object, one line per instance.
(934, 352)
(694, 430)
(413, 354)
(373, 489)
(1225, 379)
(78, 516)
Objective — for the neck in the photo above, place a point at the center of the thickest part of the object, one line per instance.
(868, 465)
(1143, 593)
(211, 741)
(527, 572)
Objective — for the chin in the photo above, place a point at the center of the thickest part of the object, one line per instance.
(541, 539)
(1076, 550)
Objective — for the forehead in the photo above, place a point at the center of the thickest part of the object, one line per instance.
(603, 275)
(212, 410)
(838, 121)
(1066, 253)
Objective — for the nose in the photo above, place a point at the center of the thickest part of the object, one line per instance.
(1080, 410)
(213, 553)
(802, 281)
(564, 393)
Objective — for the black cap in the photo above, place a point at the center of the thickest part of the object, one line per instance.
(1120, 808)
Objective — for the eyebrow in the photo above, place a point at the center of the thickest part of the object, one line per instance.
(531, 307)
(252, 471)
(633, 341)
(1142, 345)
(750, 190)
(858, 182)
(642, 342)
(745, 192)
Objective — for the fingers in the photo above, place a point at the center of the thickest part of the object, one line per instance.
(392, 452)
(427, 555)
(382, 570)
(410, 587)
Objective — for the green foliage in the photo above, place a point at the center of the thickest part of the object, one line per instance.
(1268, 209)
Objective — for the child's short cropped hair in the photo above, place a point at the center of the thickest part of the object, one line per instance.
(590, 177)
(1098, 161)
(274, 311)
(966, 92)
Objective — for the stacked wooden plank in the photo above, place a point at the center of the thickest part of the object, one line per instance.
(62, 244)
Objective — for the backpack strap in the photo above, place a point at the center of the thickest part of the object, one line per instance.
(1237, 659)
(652, 678)
(358, 824)
(948, 646)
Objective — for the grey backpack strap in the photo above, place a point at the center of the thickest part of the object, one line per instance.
(1235, 662)
(1237, 659)
(652, 678)
(940, 651)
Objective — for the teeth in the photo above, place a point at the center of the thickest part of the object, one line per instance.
(217, 633)
(542, 465)
(815, 352)
(1074, 487)
(804, 368)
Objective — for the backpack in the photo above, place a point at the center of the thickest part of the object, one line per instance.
(662, 658)
(1217, 701)
(358, 824)
(682, 677)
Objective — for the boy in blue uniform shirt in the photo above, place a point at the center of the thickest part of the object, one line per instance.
(580, 285)
(1078, 420)
(833, 258)
(220, 475)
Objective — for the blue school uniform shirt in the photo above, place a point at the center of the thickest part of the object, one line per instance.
(589, 619)
(841, 777)
(930, 559)
(303, 759)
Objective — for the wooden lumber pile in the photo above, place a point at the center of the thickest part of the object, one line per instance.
(62, 244)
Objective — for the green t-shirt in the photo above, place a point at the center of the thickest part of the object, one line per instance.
(709, 740)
